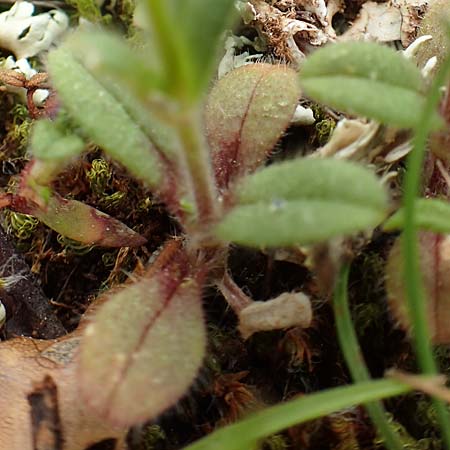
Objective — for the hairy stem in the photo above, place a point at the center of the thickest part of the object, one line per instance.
(198, 162)
(233, 294)
(355, 360)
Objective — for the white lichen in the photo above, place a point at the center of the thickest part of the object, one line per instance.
(302, 116)
(287, 310)
(232, 59)
(26, 34)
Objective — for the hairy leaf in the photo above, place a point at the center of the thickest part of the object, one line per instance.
(366, 79)
(104, 54)
(51, 143)
(202, 27)
(431, 215)
(79, 222)
(246, 113)
(302, 202)
(144, 346)
(103, 118)
(434, 260)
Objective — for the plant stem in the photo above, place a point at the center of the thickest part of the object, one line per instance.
(355, 361)
(198, 162)
(234, 295)
(277, 418)
(413, 280)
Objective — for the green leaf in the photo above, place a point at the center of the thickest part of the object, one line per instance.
(106, 54)
(246, 113)
(83, 223)
(245, 433)
(103, 118)
(366, 79)
(162, 135)
(187, 35)
(50, 142)
(303, 202)
(203, 24)
(144, 346)
(431, 215)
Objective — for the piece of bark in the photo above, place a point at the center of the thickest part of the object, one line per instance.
(28, 311)
(45, 420)
(24, 363)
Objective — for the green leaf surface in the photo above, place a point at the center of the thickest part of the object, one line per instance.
(144, 347)
(106, 54)
(431, 214)
(366, 79)
(162, 135)
(51, 143)
(85, 224)
(246, 113)
(303, 202)
(202, 25)
(103, 118)
(187, 35)
(312, 406)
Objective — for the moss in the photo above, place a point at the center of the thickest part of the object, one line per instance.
(112, 201)
(124, 10)
(87, 9)
(408, 441)
(324, 128)
(99, 176)
(22, 226)
(276, 442)
(74, 247)
(153, 437)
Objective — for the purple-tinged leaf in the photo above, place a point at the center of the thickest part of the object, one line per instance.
(79, 222)
(143, 348)
(434, 260)
(246, 113)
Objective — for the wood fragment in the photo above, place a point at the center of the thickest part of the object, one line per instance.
(45, 419)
